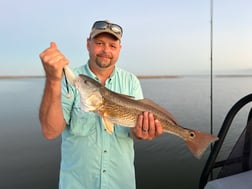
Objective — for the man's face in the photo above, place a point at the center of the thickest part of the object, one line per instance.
(104, 50)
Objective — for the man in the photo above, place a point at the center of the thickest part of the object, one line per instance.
(91, 157)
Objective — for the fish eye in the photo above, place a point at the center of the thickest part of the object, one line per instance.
(192, 134)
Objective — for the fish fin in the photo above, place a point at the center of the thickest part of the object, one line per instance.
(122, 95)
(158, 107)
(109, 126)
(199, 141)
(127, 96)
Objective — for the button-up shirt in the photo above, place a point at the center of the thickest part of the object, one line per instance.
(91, 158)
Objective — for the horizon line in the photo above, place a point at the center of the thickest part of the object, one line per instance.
(139, 76)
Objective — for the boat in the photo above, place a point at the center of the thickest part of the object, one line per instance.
(236, 170)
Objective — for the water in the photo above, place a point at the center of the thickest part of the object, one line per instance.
(29, 161)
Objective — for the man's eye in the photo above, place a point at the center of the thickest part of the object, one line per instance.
(113, 46)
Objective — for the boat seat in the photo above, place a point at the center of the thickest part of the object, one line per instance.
(238, 181)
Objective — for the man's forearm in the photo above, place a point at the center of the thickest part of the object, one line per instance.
(51, 114)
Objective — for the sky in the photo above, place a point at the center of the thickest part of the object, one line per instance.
(161, 37)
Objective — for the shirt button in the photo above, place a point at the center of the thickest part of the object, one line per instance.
(104, 171)
(105, 151)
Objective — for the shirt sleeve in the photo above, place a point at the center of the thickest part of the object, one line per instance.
(136, 89)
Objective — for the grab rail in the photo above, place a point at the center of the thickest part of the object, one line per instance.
(210, 163)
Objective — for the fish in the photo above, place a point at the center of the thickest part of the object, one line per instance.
(123, 110)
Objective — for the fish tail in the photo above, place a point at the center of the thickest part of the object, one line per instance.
(199, 141)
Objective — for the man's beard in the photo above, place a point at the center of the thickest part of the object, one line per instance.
(103, 63)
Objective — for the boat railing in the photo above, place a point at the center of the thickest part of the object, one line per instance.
(245, 140)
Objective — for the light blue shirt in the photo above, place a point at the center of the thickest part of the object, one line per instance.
(91, 158)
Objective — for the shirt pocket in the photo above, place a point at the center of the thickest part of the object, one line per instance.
(83, 123)
(122, 132)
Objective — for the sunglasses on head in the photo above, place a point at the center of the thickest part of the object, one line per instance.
(102, 25)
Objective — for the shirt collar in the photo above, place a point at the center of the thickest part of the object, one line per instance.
(89, 72)
(92, 75)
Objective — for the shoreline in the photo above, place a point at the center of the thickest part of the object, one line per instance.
(41, 76)
(21, 76)
(140, 76)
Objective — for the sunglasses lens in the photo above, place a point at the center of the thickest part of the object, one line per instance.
(100, 25)
(117, 29)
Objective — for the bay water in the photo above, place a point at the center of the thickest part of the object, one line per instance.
(29, 161)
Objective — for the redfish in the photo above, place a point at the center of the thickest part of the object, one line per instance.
(123, 110)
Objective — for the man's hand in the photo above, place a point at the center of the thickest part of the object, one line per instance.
(53, 61)
(50, 113)
(147, 127)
